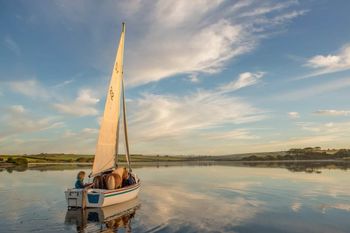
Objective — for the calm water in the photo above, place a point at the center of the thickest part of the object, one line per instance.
(186, 199)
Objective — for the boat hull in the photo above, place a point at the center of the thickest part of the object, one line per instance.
(101, 197)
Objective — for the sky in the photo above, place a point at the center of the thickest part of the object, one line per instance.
(206, 77)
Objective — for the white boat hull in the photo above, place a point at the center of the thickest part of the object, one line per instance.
(101, 197)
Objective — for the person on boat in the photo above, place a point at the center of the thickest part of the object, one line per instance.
(129, 180)
(79, 184)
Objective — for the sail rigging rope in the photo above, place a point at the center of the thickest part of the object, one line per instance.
(126, 142)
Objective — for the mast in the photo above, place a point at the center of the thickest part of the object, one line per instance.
(126, 143)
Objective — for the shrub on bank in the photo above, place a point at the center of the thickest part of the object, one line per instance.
(84, 160)
(21, 161)
(17, 161)
(10, 160)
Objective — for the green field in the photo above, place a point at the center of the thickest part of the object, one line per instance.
(79, 158)
(293, 154)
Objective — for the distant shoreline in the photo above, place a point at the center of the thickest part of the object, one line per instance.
(218, 162)
(309, 154)
(231, 161)
(307, 166)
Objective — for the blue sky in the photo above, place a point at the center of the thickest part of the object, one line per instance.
(203, 77)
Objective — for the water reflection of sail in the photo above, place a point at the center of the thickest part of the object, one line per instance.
(106, 219)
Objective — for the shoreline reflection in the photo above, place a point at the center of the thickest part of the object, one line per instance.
(292, 166)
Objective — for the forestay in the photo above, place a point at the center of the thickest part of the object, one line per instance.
(107, 145)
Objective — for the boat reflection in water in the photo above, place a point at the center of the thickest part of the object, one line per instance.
(106, 219)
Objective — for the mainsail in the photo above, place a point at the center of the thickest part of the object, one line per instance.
(107, 145)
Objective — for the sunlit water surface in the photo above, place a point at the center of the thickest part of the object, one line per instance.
(187, 199)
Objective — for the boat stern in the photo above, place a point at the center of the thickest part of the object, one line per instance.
(91, 197)
(74, 197)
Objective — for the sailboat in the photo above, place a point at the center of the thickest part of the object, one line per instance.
(106, 156)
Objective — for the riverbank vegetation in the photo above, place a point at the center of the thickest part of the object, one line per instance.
(309, 153)
(79, 158)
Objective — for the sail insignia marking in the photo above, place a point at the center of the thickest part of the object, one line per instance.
(116, 67)
(111, 93)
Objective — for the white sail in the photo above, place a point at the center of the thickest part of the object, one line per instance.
(107, 145)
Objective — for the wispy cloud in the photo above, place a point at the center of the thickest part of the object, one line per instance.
(263, 10)
(17, 109)
(185, 46)
(293, 115)
(314, 90)
(237, 134)
(90, 130)
(83, 105)
(328, 135)
(337, 130)
(181, 37)
(70, 141)
(330, 63)
(332, 112)
(244, 80)
(31, 88)
(283, 18)
(17, 120)
(64, 83)
(309, 126)
(301, 141)
(12, 45)
(179, 124)
(193, 78)
(159, 116)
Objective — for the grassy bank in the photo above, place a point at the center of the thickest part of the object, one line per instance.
(79, 158)
(310, 153)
